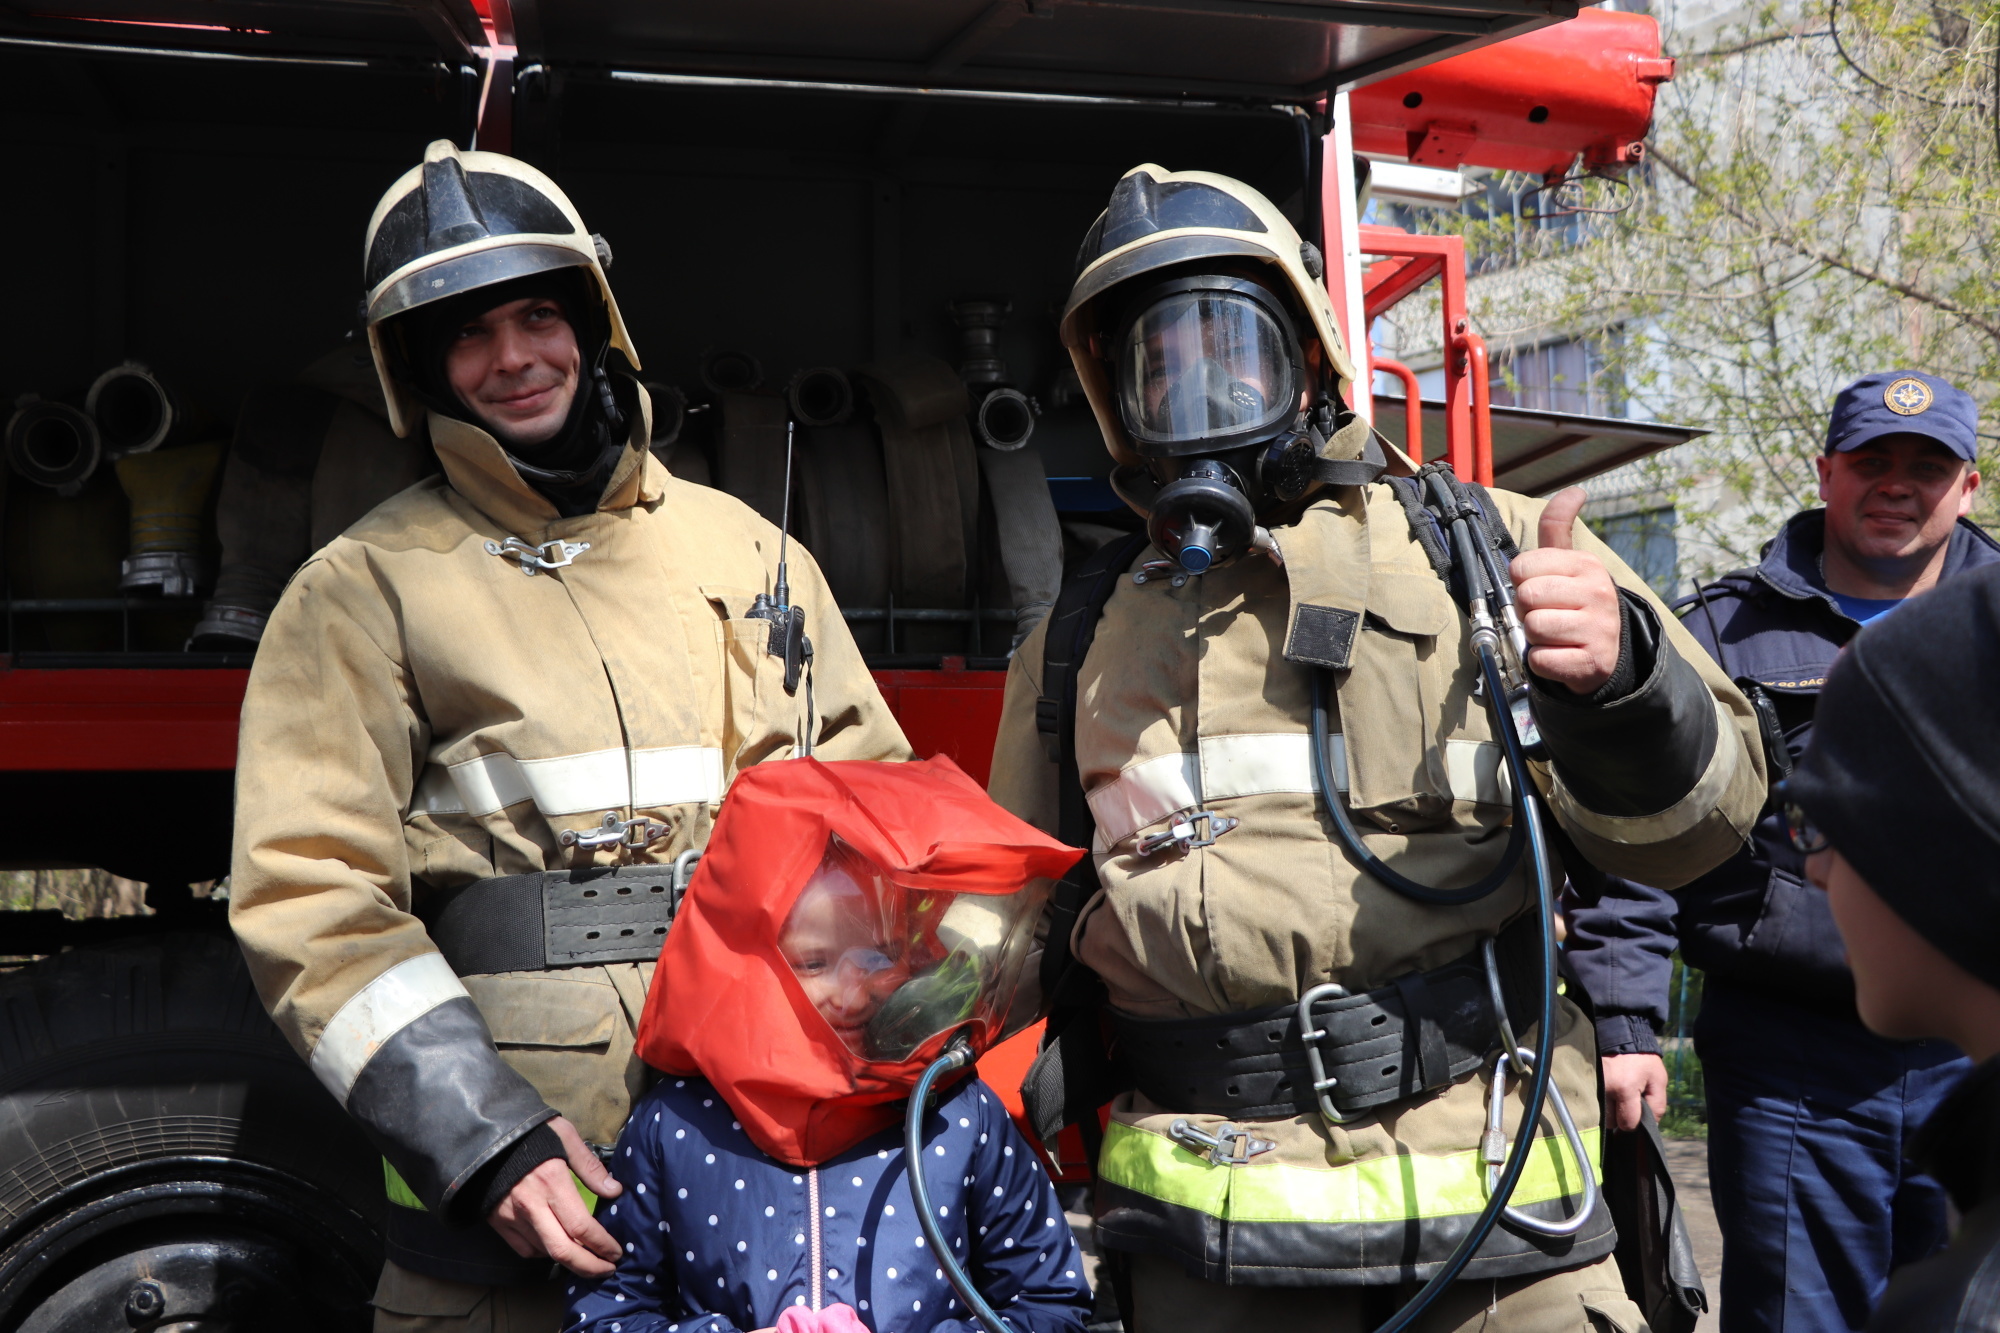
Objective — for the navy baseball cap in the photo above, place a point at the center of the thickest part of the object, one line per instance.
(1904, 402)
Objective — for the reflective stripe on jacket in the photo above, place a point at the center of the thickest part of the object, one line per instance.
(422, 713)
(1187, 696)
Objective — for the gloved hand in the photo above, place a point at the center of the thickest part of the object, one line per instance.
(833, 1319)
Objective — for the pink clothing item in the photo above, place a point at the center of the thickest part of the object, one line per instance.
(833, 1319)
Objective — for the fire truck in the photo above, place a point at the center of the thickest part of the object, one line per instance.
(807, 202)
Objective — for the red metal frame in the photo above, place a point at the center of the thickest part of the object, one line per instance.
(1410, 263)
(1533, 103)
(1413, 405)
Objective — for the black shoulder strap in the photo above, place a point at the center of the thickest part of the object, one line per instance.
(1419, 503)
(1770, 727)
(1352, 471)
(1074, 1073)
(1072, 627)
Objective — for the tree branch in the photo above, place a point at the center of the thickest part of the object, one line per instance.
(1828, 257)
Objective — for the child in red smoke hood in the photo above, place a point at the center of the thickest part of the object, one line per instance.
(823, 956)
(836, 940)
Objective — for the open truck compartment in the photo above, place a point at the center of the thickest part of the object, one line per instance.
(893, 191)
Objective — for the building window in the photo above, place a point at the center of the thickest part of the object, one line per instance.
(1569, 376)
(1644, 539)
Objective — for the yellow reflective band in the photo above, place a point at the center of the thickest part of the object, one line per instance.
(403, 1196)
(398, 1189)
(1376, 1189)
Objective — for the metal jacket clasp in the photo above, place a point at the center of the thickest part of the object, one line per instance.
(615, 832)
(1183, 835)
(1230, 1145)
(534, 559)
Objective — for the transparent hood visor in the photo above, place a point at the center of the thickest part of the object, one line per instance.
(1205, 365)
(889, 967)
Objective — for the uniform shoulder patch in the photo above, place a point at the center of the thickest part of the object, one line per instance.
(1323, 636)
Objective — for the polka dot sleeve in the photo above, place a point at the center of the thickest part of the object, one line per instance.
(642, 1294)
(1025, 1261)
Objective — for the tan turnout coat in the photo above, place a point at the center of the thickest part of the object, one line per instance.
(1186, 699)
(422, 714)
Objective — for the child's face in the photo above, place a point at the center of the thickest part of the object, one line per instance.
(836, 946)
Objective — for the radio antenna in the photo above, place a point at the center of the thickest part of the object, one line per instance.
(788, 623)
(784, 588)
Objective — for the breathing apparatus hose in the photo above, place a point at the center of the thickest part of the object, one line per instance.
(1517, 836)
(1527, 823)
(957, 1055)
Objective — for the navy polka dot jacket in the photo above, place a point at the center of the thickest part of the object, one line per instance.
(719, 1237)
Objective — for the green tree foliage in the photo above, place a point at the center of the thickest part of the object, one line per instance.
(1820, 201)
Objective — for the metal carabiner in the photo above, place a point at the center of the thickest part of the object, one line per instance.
(684, 865)
(1230, 1145)
(1493, 1150)
(1322, 1085)
(555, 554)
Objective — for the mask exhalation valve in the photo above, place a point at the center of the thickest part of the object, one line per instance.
(1202, 517)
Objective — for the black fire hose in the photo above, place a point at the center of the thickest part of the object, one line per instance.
(957, 1055)
(1528, 823)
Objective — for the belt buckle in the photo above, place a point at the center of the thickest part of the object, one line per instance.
(1310, 1037)
(606, 916)
(1230, 1145)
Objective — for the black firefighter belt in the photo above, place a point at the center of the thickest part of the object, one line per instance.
(554, 918)
(1422, 1031)
(1225, 1216)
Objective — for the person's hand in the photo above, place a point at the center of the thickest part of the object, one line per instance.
(545, 1215)
(1569, 605)
(1629, 1082)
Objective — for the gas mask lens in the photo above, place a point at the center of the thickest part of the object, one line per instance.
(1205, 365)
(889, 966)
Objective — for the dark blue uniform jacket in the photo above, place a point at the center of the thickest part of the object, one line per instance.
(1753, 921)
(719, 1237)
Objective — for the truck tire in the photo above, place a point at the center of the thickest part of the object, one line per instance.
(166, 1161)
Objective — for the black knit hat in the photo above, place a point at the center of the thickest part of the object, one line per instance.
(1901, 775)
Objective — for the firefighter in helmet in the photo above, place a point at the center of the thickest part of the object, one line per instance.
(552, 658)
(1166, 714)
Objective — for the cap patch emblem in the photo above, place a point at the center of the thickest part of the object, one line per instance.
(1907, 397)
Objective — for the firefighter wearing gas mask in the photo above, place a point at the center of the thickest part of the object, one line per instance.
(482, 725)
(1307, 923)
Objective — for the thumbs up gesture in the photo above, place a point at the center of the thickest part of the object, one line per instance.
(1568, 603)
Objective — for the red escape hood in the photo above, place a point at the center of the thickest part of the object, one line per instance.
(725, 1004)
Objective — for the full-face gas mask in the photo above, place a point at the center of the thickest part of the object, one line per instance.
(1212, 390)
(1190, 325)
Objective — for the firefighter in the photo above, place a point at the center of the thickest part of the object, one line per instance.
(1279, 568)
(553, 658)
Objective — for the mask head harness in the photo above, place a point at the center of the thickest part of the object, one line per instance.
(1188, 324)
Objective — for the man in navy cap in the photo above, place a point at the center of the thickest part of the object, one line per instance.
(1808, 1111)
